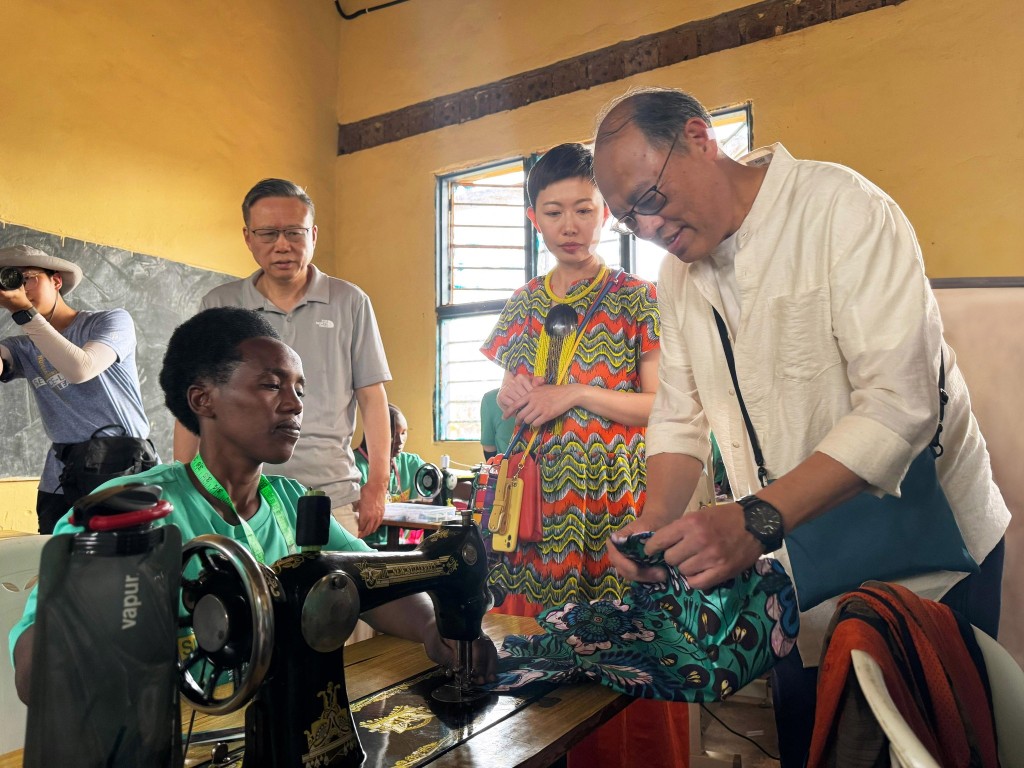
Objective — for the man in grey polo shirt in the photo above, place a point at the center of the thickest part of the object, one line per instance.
(331, 325)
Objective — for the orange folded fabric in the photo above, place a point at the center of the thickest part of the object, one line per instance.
(931, 674)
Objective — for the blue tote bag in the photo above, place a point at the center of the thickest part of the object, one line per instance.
(869, 537)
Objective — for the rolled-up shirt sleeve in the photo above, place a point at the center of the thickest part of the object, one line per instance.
(887, 326)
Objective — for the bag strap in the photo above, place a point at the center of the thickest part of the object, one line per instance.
(518, 434)
(617, 277)
(935, 445)
(762, 472)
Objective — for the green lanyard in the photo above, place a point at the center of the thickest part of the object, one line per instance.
(213, 486)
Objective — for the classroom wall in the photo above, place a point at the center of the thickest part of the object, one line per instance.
(142, 125)
(923, 98)
(982, 326)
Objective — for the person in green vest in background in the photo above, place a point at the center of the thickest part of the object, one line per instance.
(401, 483)
(495, 431)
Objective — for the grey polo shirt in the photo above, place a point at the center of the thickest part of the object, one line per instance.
(335, 333)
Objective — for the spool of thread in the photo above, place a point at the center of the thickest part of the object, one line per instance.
(313, 520)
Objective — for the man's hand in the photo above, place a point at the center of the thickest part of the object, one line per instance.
(443, 652)
(708, 545)
(15, 300)
(628, 569)
(370, 508)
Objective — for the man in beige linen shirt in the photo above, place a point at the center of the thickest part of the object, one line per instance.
(819, 278)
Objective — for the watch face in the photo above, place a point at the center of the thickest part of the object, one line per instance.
(22, 316)
(765, 519)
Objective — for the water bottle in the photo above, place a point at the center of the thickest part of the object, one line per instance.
(104, 688)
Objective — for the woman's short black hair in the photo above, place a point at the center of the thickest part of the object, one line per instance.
(566, 161)
(205, 348)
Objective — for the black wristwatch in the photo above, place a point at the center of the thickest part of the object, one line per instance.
(22, 316)
(763, 521)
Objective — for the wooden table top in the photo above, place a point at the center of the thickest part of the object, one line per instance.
(533, 737)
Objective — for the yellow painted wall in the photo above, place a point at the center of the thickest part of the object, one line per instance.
(924, 99)
(142, 125)
(18, 505)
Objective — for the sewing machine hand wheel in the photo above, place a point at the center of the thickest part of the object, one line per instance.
(427, 481)
(230, 609)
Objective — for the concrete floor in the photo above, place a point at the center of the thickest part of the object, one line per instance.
(753, 717)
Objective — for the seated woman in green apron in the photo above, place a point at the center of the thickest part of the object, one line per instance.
(229, 379)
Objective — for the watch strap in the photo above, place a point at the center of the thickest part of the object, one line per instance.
(750, 500)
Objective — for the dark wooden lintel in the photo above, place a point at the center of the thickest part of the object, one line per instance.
(742, 26)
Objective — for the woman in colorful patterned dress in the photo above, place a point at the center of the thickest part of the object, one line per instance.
(591, 440)
(590, 445)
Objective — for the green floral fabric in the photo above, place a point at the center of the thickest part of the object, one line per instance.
(665, 640)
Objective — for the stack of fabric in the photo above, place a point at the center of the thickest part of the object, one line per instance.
(933, 670)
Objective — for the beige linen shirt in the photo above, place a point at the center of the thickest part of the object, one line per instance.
(837, 350)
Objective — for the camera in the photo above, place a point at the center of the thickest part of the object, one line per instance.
(10, 279)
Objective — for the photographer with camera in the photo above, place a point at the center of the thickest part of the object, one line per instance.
(81, 368)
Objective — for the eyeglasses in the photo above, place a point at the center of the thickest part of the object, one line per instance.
(292, 234)
(29, 278)
(649, 203)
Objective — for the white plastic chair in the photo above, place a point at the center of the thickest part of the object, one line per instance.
(905, 749)
(1006, 679)
(19, 571)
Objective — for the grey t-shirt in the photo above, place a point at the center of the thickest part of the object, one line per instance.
(70, 412)
(335, 333)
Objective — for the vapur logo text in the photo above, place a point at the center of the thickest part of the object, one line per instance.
(132, 603)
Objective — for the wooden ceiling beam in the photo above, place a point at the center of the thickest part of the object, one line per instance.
(742, 26)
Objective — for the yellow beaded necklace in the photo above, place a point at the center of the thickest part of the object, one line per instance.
(573, 297)
(562, 321)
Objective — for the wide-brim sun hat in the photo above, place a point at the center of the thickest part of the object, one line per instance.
(27, 256)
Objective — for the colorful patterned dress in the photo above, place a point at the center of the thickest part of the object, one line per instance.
(593, 475)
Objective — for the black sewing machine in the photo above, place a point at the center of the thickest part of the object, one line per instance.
(280, 630)
(436, 484)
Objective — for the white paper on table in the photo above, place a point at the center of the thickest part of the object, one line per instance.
(418, 513)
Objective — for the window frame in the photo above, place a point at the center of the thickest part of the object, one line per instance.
(444, 308)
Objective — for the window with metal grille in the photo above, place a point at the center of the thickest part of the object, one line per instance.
(487, 248)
